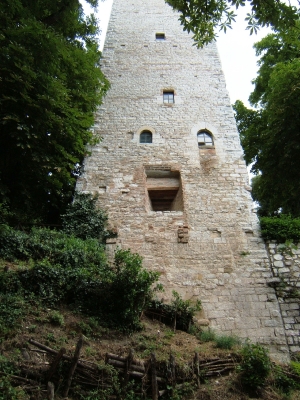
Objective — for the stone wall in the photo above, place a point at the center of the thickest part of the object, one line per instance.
(285, 261)
(207, 245)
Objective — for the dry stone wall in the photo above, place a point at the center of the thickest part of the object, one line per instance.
(207, 245)
(285, 261)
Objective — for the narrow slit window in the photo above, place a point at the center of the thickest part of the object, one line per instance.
(160, 36)
(168, 97)
(204, 139)
(146, 137)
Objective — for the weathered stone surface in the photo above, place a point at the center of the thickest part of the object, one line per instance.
(287, 293)
(206, 245)
(202, 322)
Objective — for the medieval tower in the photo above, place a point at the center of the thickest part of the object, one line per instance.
(170, 173)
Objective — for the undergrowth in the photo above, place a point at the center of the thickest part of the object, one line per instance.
(69, 267)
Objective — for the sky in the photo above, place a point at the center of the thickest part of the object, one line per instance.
(237, 55)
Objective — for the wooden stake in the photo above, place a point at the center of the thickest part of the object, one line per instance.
(154, 378)
(73, 365)
(196, 367)
(172, 369)
(55, 363)
(50, 391)
(128, 366)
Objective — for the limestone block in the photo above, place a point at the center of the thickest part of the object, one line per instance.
(272, 323)
(278, 264)
(294, 349)
(288, 320)
(202, 322)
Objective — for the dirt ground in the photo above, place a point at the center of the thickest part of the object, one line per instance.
(57, 328)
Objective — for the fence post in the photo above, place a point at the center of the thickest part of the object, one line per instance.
(73, 365)
(154, 377)
(196, 368)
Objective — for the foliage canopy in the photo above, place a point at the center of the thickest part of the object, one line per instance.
(270, 134)
(204, 17)
(50, 86)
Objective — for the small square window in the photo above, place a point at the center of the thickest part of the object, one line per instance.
(160, 36)
(168, 97)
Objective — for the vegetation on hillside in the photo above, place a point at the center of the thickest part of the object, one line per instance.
(60, 268)
(58, 285)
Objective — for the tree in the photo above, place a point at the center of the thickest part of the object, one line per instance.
(50, 87)
(83, 219)
(270, 134)
(204, 17)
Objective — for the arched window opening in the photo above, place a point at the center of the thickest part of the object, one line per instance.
(146, 137)
(204, 139)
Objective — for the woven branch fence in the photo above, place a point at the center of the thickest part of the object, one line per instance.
(152, 378)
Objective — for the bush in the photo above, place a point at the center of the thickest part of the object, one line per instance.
(255, 365)
(7, 391)
(179, 313)
(128, 289)
(117, 294)
(56, 318)
(83, 220)
(281, 228)
(13, 244)
(57, 247)
(282, 381)
(295, 366)
(12, 308)
(207, 336)
(226, 342)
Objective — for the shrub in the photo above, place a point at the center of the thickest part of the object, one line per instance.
(184, 309)
(281, 228)
(179, 313)
(13, 244)
(128, 289)
(295, 365)
(57, 247)
(255, 365)
(12, 308)
(226, 342)
(117, 294)
(207, 336)
(82, 219)
(56, 318)
(282, 381)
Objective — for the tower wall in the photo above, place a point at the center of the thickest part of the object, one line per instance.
(207, 244)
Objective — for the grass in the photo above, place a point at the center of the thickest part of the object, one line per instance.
(226, 342)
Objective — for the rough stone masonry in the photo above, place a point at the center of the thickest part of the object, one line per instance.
(170, 173)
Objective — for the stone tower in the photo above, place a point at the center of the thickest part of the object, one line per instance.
(170, 172)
